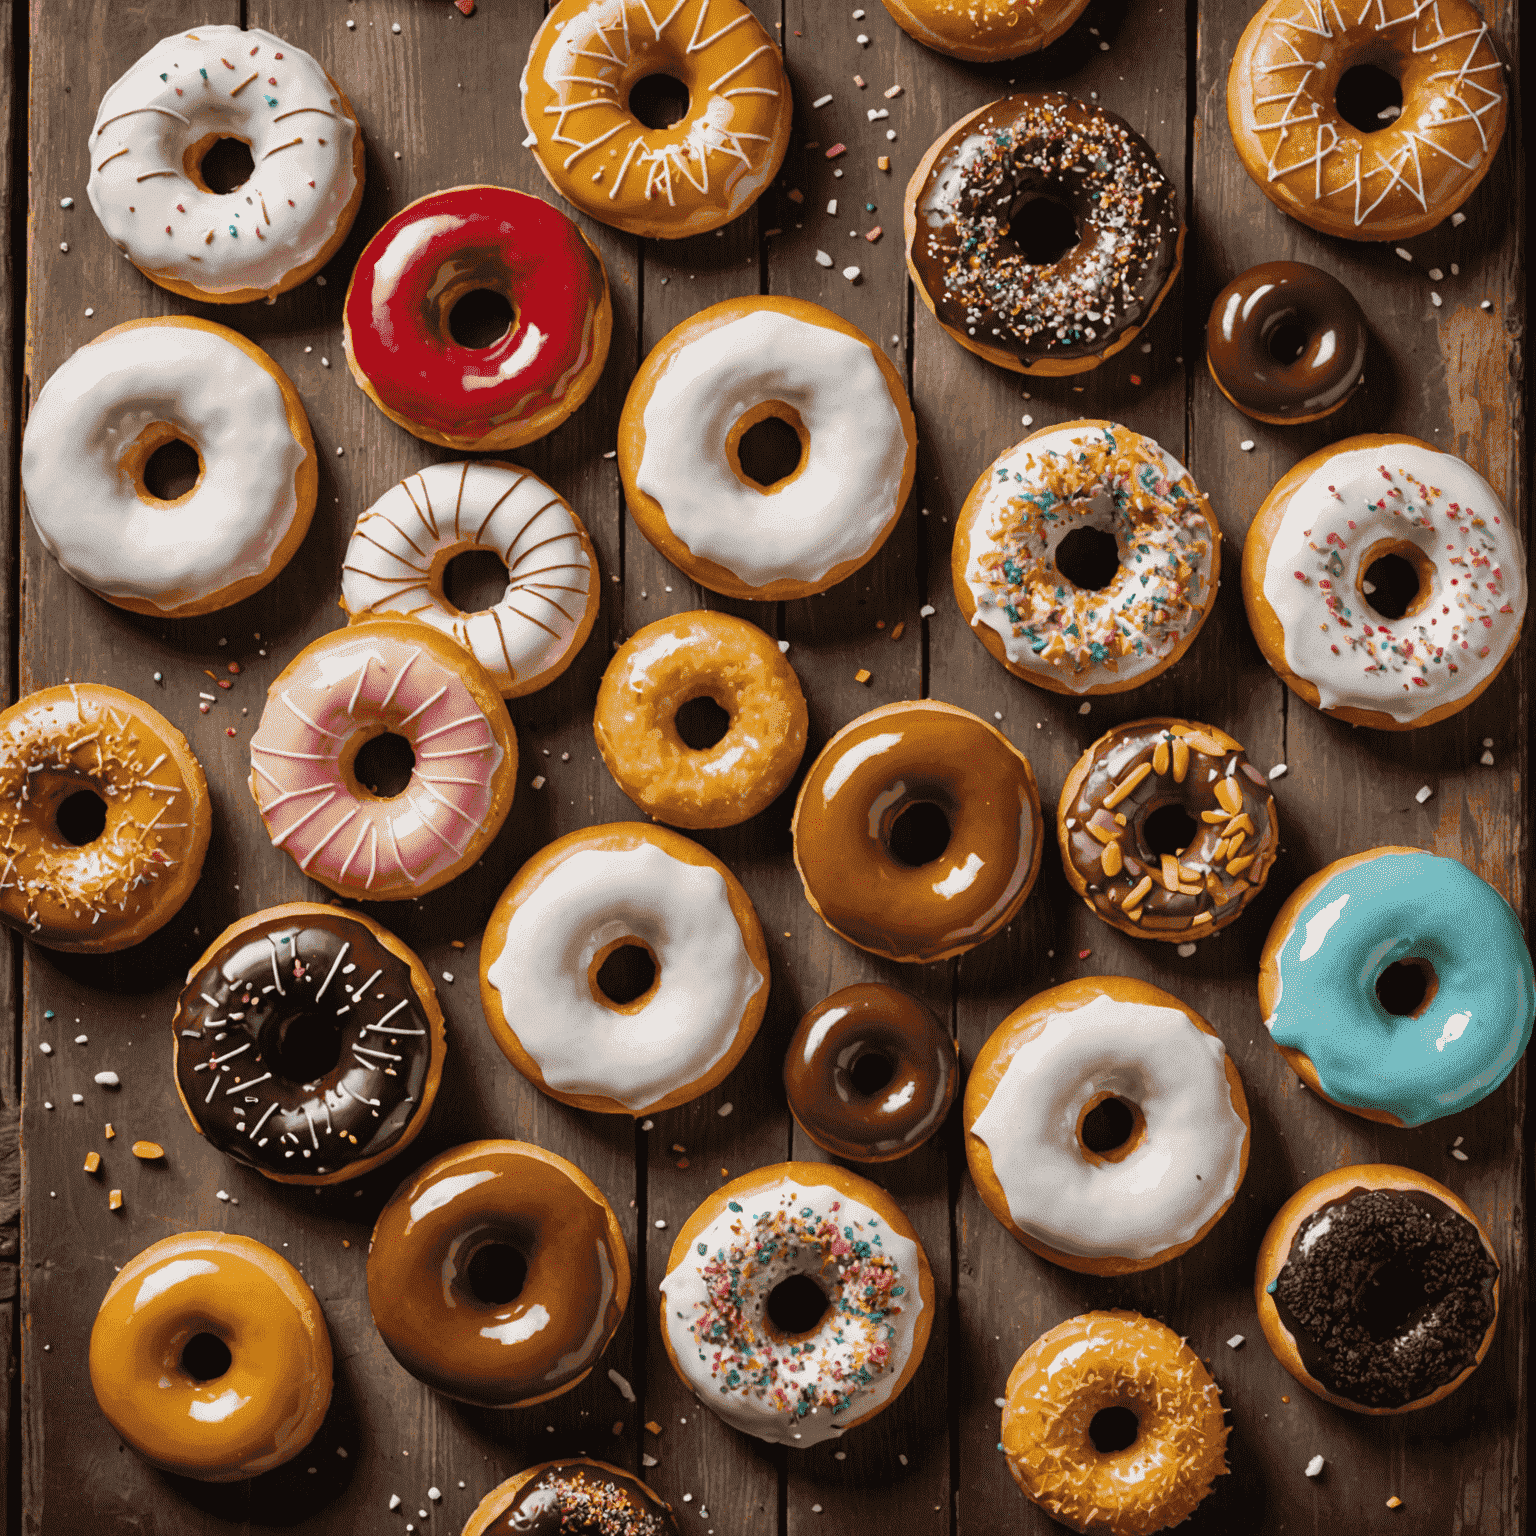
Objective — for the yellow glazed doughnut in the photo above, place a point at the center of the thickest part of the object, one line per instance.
(980, 31)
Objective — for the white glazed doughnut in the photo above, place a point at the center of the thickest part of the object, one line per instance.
(717, 375)
(402, 545)
(158, 121)
(95, 425)
(574, 903)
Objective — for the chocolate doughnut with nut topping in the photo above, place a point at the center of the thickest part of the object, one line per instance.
(562, 1498)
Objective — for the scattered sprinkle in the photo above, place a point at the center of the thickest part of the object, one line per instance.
(1424, 793)
(1458, 1154)
(1315, 1467)
(394, 1498)
(1085, 708)
(77, 1098)
(875, 114)
(92, 1161)
(1435, 274)
(661, 1226)
(1235, 1342)
(836, 150)
(1458, 219)
(927, 611)
(822, 259)
(1246, 445)
(434, 1493)
(1185, 951)
(862, 675)
(66, 202)
(46, 1049)
(821, 101)
(832, 206)
(1434, 299)
(883, 163)
(1486, 759)
(725, 1109)
(893, 92)
(1394, 1502)
(851, 273)
(115, 1200)
(148, 1151)
(395, 27)
(626, 1391)
(1406, 255)
(1279, 771)
(108, 1080)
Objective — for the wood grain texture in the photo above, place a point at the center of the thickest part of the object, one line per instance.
(441, 95)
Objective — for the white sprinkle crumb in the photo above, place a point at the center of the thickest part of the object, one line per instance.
(1246, 445)
(351, 25)
(1458, 1154)
(394, 1499)
(223, 1194)
(397, 156)
(626, 1391)
(1486, 759)
(902, 1460)
(434, 1493)
(862, 40)
(997, 714)
(538, 781)
(1487, 741)
(822, 259)
(1458, 219)
(840, 1455)
(1235, 1342)
(821, 101)
(874, 114)
(661, 1226)
(783, 647)
(851, 273)
(725, 1109)
(1424, 793)
(64, 246)
(815, 1509)
(1315, 1467)
(340, 451)
(832, 206)
(1146, 346)
(999, 1402)
(395, 27)
(325, 362)
(1185, 951)
(612, 453)
(108, 1080)
(647, 1460)
(77, 1098)
(1486, 304)
(1279, 771)
(647, 1125)
(1406, 255)
(1435, 274)
(890, 134)
(81, 1039)
(1085, 708)
(1434, 299)
(893, 92)
(448, 976)
(89, 313)
(47, 1104)
(66, 202)
(927, 611)
(46, 1049)
(320, 281)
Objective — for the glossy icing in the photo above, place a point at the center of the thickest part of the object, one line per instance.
(1365, 918)
(401, 547)
(803, 1390)
(90, 509)
(225, 83)
(705, 978)
(427, 257)
(1364, 502)
(583, 1496)
(1117, 482)
(846, 492)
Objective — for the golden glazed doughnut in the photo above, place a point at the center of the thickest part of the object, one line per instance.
(982, 30)
(1064, 1398)
(1377, 1289)
(210, 1357)
(598, 1498)
(1401, 175)
(688, 178)
(664, 667)
(104, 818)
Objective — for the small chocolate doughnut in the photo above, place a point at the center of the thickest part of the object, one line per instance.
(889, 1108)
(1286, 343)
(563, 1498)
(308, 1044)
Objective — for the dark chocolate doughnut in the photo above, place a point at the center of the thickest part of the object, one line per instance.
(1286, 342)
(903, 1101)
(308, 1043)
(564, 1498)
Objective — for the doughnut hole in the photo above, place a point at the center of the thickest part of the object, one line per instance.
(1088, 558)
(1395, 579)
(81, 818)
(701, 723)
(659, 100)
(301, 1046)
(1285, 338)
(1407, 987)
(163, 466)
(380, 765)
(495, 1273)
(1166, 828)
(218, 163)
(471, 580)
(1392, 1295)
(1369, 98)
(624, 975)
(1042, 229)
(1113, 1429)
(870, 1070)
(916, 833)
(1109, 1128)
(767, 446)
(205, 1357)
(480, 317)
(795, 1307)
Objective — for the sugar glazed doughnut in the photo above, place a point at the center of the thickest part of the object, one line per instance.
(870, 1073)
(157, 123)
(1398, 985)
(797, 1302)
(1286, 343)
(569, 910)
(398, 318)
(497, 1274)
(664, 667)
(1348, 626)
(712, 379)
(574, 1495)
(1072, 483)
(1105, 1361)
(397, 563)
(1393, 178)
(101, 417)
(386, 677)
(665, 182)
(970, 212)
(210, 1357)
(980, 31)
(899, 890)
(309, 1044)
(1106, 1126)
(104, 818)
(1377, 1289)
(1167, 831)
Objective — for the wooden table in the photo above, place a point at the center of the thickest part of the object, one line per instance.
(437, 97)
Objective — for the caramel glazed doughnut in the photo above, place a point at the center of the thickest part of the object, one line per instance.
(1378, 1289)
(81, 885)
(971, 198)
(322, 1040)
(562, 1498)
(1156, 780)
(980, 31)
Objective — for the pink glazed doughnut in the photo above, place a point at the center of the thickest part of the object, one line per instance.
(384, 677)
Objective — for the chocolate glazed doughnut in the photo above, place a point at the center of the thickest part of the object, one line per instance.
(1286, 343)
(870, 1073)
(561, 1498)
(308, 1044)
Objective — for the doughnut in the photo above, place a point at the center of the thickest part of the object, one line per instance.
(575, 1495)
(1398, 986)
(388, 677)
(1167, 831)
(797, 1302)
(497, 1274)
(155, 127)
(399, 554)
(104, 818)
(1054, 306)
(870, 1073)
(303, 1087)
(1406, 172)
(1377, 1289)
(712, 379)
(1106, 1126)
(1087, 482)
(1064, 1398)
(1362, 640)
(676, 912)
(1286, 343)
(210, 1357)
(981, 31)
(667, 665)
(398, 318)
(868, 863)
(690, 177)
(98, 421)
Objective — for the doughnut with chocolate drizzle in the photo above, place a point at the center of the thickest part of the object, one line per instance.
(308, 1044)
(562, 1498)
(1138, 786)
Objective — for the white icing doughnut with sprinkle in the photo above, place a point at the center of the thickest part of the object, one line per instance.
(160, 119)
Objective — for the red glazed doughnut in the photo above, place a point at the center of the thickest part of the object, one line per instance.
(431, 255)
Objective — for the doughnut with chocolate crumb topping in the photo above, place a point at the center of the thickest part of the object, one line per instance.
(578, 1497)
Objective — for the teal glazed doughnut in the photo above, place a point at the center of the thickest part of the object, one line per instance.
(1392, 912)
